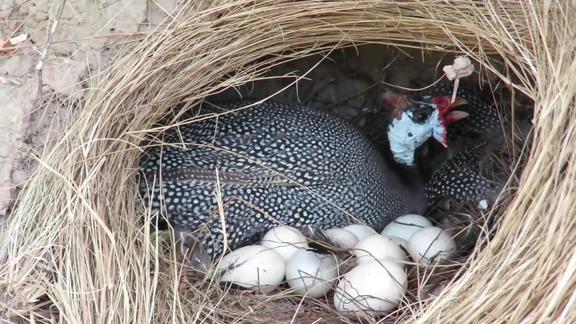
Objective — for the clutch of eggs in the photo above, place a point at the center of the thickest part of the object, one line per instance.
(376, 284)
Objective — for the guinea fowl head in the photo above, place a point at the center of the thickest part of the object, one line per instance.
(416, 119)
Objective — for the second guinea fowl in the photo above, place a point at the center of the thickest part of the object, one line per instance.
(274, 164)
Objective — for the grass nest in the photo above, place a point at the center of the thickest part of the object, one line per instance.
(77, 248)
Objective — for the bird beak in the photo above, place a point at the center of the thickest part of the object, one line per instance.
(447, 109)
(454, 116)
(439, 130)
(446, 116)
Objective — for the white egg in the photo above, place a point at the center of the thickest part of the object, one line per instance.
(397, 240)
(311, 274)
(285, 240)
(372, 287)
(342, 238)
(404, 226)
(253, 266)
(378, 247)
(361, 231)
(431, 244)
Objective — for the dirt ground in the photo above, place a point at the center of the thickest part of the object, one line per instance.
(87, 35)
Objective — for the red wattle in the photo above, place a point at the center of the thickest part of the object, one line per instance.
(444, 105)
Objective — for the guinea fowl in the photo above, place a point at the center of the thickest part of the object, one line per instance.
(274, 164)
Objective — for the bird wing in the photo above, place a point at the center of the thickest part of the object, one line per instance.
(264, 145)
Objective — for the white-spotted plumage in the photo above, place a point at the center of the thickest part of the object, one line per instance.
(276, 164)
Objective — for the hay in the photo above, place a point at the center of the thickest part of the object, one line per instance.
(76, 249)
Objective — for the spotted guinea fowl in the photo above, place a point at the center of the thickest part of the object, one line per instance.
(274, 164)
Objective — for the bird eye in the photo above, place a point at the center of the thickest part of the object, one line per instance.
(420, 117)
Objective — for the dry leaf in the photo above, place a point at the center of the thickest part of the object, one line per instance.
(6, 47)
(18, 39)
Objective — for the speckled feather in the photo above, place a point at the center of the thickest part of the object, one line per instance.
(276, 165)
(459, 179)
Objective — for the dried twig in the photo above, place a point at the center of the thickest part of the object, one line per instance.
(44, 52)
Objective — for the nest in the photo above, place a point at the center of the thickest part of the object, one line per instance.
(77, 248)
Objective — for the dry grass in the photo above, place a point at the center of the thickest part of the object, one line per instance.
(76, 248)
